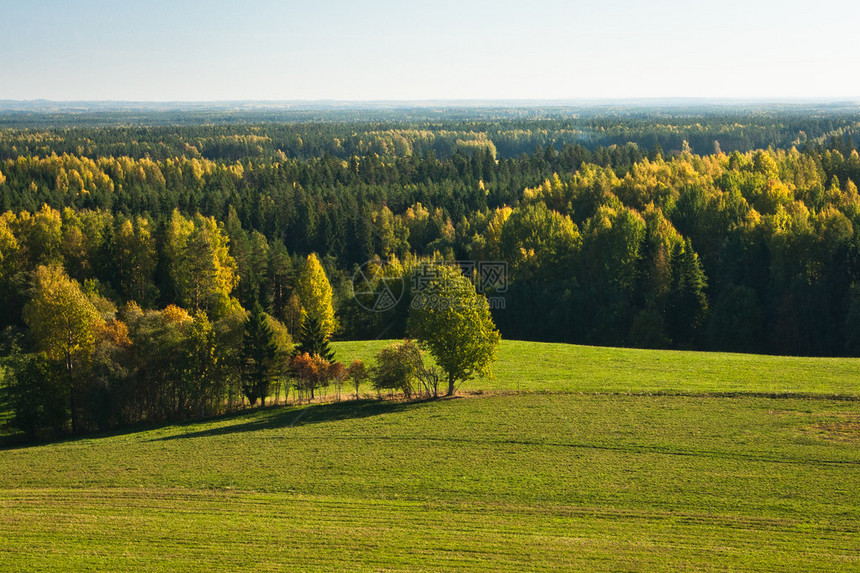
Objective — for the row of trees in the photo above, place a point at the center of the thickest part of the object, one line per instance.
(85, 362)
(96, 366)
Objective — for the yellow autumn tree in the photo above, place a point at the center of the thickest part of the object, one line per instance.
(8, 247)
(40, 234)
(493, 234)
(203, 272)
(63, 322)
(315, 294)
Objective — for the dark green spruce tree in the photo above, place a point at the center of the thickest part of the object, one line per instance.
(258, 356)
(313, 340)
(688, 304)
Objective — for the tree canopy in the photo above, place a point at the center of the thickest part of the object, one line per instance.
(315, 293)
(453, 322)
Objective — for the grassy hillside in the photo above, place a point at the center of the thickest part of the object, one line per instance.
(535, 366)
(574, 479)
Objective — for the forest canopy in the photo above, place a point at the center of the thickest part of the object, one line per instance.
(726, 228)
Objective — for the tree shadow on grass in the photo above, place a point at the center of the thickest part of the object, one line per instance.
(294, 416)
(246, 420)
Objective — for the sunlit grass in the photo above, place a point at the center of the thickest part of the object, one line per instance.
(537, 367)
(527, 481)
(630, 460)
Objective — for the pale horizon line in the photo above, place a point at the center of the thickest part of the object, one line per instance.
(452, 101)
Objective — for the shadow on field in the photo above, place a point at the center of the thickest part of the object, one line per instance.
(294, 416)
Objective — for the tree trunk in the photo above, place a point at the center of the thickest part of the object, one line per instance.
(450, 384)
(72, 407)
(72, 394)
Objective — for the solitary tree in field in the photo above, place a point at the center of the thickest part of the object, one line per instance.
(453, 322)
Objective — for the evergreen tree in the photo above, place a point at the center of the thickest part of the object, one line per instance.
(38, 399)
(688, 305)
(258, 355)
(313, 340)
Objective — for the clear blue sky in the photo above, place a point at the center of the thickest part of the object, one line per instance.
(446, 49)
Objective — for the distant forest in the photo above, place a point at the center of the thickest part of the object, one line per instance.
(721, 228)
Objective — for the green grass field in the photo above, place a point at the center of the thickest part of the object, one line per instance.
(544, 367)
(632, 460)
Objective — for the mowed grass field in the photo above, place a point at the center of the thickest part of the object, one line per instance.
(630, 460)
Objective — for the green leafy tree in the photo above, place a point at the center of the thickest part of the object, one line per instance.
(283, 350)
(453, 322)
(12, 277)
(135, 260)
(160, 357)
(106, 392)
(537, 242)
(397, 366)
(37, 400)
(202, 368)
(612, 241)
